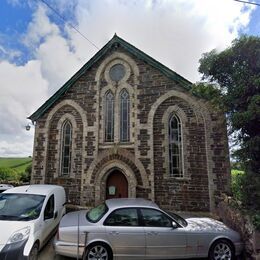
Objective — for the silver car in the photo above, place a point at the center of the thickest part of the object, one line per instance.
(139, 229)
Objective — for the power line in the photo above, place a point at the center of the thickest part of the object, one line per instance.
(246, 2)
(71, 25)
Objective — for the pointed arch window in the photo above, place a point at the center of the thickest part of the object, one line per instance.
(66, 148)
(175, 147)
(124, 116)
(109, 117)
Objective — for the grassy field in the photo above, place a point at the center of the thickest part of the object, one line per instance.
(18, 164)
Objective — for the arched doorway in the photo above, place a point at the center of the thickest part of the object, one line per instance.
(116, 185)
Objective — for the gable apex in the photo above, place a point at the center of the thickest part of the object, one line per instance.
(116, 41)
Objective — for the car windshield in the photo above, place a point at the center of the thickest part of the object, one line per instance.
(181, 221)
(95, 214)
(21, 207)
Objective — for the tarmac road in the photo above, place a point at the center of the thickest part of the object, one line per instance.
(47, 253)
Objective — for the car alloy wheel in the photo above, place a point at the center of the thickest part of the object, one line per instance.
(34, 253)
(221, 250)
(98, 252)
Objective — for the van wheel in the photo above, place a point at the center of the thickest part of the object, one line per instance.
(221, 249)
(99, 251)
(34, 252)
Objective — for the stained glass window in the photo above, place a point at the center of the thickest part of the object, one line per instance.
(175, 147)
(124, 116)
(117, 72)
(109, 117)
(66, 148)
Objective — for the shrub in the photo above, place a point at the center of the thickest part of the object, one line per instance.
(26, 175)
(8, 174)
(256, 220)
(237, 184)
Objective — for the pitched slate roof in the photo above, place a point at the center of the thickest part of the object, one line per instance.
(129, 48)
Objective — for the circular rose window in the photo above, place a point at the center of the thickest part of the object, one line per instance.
(117, 72)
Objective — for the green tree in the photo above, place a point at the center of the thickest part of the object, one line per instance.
(236, 73)
(26, 175)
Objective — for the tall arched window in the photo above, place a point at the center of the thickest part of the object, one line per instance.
(66, 148)
(175, 147)
(109, 117)
(124, 116)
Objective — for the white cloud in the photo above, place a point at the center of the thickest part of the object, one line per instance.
(9, 54)
(39, 28)
(14, 2)
(22, 89)
(16, 148)
(175, 33)
(58, 60)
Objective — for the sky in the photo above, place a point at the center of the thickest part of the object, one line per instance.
(39, 51)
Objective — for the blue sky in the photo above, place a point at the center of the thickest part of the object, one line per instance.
(254, 24)
(39, 52)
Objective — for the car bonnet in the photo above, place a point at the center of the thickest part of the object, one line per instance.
(8, 228)
(206, 225)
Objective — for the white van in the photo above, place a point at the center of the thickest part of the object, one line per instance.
(4, 187)
(29, 216)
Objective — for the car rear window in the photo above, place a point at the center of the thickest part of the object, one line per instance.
(95, 214)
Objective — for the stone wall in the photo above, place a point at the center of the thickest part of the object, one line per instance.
(242, 223)
(144, 159)
(191, 192)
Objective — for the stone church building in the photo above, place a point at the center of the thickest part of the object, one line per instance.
(127, 126)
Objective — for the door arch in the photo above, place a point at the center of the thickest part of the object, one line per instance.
(116, 185)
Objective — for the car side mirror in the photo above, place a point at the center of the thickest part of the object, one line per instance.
(174, 224)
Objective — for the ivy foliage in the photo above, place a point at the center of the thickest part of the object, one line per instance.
(210, 92)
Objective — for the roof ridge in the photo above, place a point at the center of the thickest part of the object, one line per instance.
(130, 48)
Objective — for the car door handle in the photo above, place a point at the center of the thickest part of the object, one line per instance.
(152, 233)
(113, 233)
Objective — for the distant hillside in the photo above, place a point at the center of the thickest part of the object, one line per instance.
(18, 164)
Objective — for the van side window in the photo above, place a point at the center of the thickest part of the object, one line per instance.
(49, 209)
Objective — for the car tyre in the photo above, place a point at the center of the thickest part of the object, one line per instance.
(99, 251)
(34, 252)
(222, 249)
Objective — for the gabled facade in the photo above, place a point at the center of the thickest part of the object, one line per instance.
(127, 126)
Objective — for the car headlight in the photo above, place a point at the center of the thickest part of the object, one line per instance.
(19, 235)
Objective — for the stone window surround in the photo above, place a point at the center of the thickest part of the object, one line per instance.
(62, 120)
(45, 132)
(174, 110)
(116, 89)
(110, 65)
(201, 110)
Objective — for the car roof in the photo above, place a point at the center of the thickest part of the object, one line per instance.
(130, 202)
(39, 189)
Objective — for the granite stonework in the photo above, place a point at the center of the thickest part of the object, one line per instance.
(238, 220)
(144, 160)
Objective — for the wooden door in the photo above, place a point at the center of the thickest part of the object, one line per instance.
(117, 185)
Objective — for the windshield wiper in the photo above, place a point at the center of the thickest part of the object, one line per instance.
(8, 217)
(27, 218)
